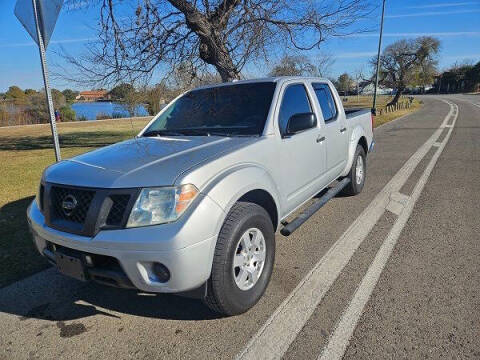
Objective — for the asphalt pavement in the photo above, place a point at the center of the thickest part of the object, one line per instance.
(391, 273)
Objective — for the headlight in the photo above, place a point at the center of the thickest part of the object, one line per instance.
(161, 205)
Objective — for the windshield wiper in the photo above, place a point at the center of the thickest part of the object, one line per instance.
(162, 133)
(205, 132)
(196, 132)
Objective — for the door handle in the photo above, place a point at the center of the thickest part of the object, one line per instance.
(320, 139)
(343, 130)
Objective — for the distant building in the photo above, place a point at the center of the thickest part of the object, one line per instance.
(93, 95)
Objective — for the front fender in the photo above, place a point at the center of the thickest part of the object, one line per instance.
(229, 186)
(357, 133)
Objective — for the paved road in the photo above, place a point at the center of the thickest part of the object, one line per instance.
(392, 273)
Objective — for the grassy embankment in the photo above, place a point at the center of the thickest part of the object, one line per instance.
(25, 151)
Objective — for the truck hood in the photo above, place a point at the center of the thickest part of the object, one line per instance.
(141, 162)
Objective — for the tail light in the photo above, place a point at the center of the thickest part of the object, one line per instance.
(373, 120)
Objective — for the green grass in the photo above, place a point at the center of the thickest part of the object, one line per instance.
(24, 153)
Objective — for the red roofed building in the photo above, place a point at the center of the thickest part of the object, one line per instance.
(93, 95)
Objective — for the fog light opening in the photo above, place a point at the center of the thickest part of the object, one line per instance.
(88, 260)
(161, 272)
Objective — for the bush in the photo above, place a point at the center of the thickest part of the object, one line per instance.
(102, 116)
(67, 113)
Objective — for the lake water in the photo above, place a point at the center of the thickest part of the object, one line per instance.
(90, 110)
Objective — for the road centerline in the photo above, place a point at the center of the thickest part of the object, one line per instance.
(274, 338)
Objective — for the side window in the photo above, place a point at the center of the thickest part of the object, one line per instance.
(295, 101)
(325, 99)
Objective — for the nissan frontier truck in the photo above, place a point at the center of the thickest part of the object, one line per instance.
(191, 205)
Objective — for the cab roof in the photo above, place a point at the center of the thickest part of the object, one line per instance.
(276, 79)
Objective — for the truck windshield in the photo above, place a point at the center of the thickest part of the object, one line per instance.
(230, 110)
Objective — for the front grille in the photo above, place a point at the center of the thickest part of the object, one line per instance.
(78, 214)
(86, 211)
(117, 211)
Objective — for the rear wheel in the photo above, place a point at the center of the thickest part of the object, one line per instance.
(243, 260)
(357, 173)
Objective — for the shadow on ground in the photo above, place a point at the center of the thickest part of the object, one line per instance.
(91, 299)
(18, 256)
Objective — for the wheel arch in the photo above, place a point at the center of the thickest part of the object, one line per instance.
(357, 138)
(363, 143)
(263, 198)
(246, 183)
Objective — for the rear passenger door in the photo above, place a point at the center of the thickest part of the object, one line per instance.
(303, 154)
(335, 129)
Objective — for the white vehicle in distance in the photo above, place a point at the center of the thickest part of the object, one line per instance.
(191, 205)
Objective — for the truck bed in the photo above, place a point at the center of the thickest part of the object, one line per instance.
(352, 112)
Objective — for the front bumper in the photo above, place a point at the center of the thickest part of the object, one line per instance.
(183, 247)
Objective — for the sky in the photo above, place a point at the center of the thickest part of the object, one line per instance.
(455, 22)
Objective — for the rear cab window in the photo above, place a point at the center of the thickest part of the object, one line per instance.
(295, 100)
(326, 101)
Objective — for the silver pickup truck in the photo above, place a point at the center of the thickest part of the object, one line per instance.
(192, 203)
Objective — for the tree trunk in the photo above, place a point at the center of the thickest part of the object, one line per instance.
(396, 97)
(215, 53)
(212, 47)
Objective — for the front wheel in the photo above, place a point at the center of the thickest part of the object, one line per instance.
(243, 260)
(357, 173)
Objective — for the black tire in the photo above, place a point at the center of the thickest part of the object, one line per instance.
(223, 294)
(354, 188)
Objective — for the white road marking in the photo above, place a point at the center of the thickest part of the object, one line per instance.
(397, 203)
(275, 336)
(395, 207)
(338, 342)
(399, 197)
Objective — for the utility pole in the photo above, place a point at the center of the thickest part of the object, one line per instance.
(374, 107)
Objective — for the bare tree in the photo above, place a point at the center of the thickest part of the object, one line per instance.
(299, 65)
(359, 76)
(404, 62)
(186, 76)
(294, 66)
(361, 80)
(223, 34)
(324, 63)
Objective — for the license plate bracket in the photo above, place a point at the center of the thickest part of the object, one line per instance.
(70, 266)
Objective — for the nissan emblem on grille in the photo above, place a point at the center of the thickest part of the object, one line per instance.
(69, 204)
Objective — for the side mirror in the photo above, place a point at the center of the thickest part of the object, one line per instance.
(300, 122)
